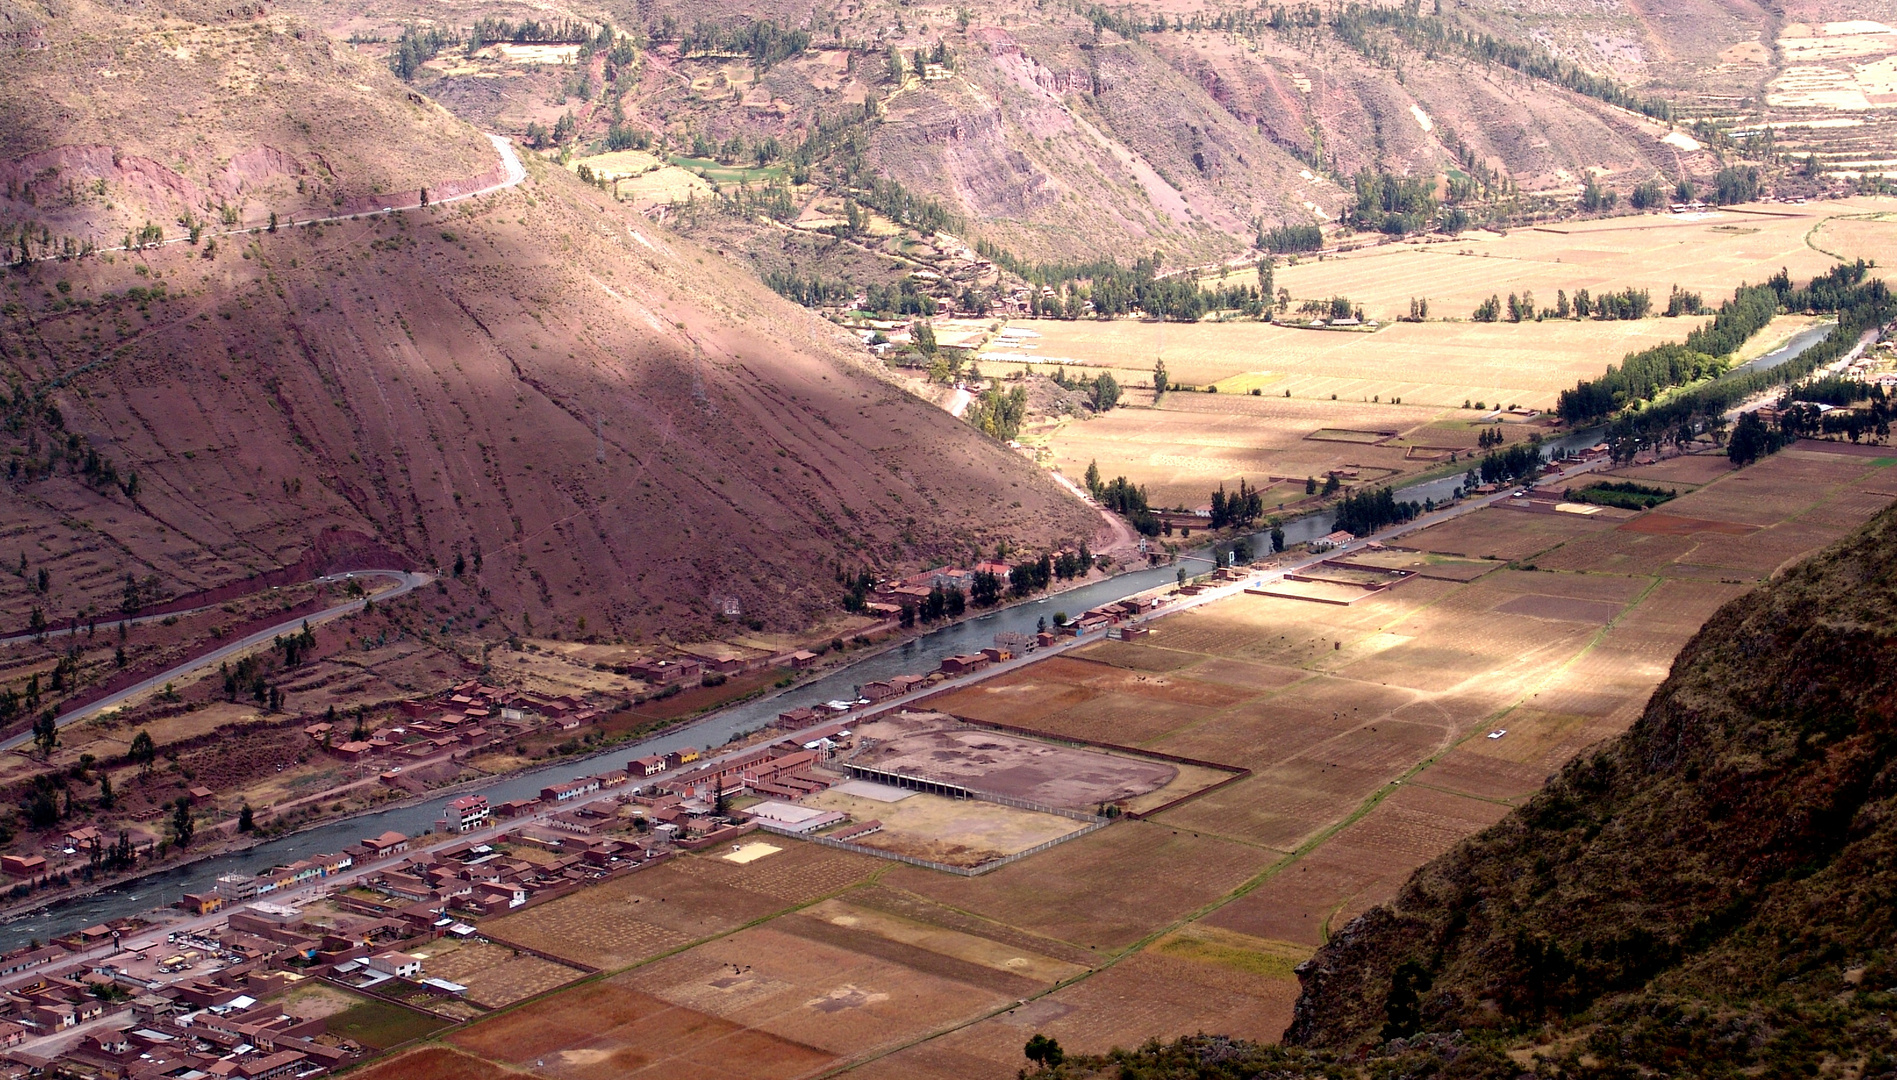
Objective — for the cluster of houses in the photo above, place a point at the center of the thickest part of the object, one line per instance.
(213, 1026)
(465, 719)
(471, 880)
(891, 596)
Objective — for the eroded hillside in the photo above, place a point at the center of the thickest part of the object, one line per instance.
(609, 423)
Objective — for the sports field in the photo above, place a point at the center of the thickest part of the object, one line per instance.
(954, 832)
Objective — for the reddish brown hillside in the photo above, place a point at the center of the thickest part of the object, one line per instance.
(623, 427)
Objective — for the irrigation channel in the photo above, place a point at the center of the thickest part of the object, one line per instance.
(917, 656)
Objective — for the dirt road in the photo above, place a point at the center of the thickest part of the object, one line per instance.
(405, 581)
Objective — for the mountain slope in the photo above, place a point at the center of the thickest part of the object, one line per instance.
(607, 422)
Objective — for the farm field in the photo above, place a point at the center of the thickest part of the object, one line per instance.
(1366, 727)
(1709, 254)
(371, 1022)
(956, 832)
(496, 975)
(1438, 365)
(674, 903)
(435, 1063)
(1375, 408)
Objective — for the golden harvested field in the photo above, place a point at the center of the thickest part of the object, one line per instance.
(1431, 364)
(1709, 254)
(662, 187)
(619, 163)
(1342, 413)
(1872, 237)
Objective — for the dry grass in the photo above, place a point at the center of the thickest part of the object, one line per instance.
(958, 832)
(496, 975)
(1434, 364)
(1655, 252)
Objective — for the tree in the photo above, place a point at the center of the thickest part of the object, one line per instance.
(1093, 478)
(1400, 1006)
(1106, 392)
(985, 589)
(246, 819)
(924, 336)
(1044, 1052)
(46, 732)
(1160, 382)
(182, 827)
(106, 798)
(1277, 538)
(1751, 440)
(142, 750)
(1489, 310)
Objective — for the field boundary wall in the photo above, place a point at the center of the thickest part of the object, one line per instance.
(1095, 825)
(961, 791)
(542, 954)
(1238, 772)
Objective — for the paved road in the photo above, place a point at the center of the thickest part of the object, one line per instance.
(516, 172)
(405, 581)
(74, 631)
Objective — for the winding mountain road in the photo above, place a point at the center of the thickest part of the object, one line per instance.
(515, 172)
(405, 582)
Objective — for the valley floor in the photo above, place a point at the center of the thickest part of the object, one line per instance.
(1371, 730)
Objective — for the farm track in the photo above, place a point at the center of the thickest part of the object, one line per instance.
(406, 582)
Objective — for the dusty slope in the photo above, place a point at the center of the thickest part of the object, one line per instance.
(120, 117)
(625, 428)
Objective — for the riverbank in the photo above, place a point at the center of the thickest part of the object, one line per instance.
(718, 727)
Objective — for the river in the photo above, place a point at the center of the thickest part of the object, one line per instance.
(1804, 339)
(922, 654)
